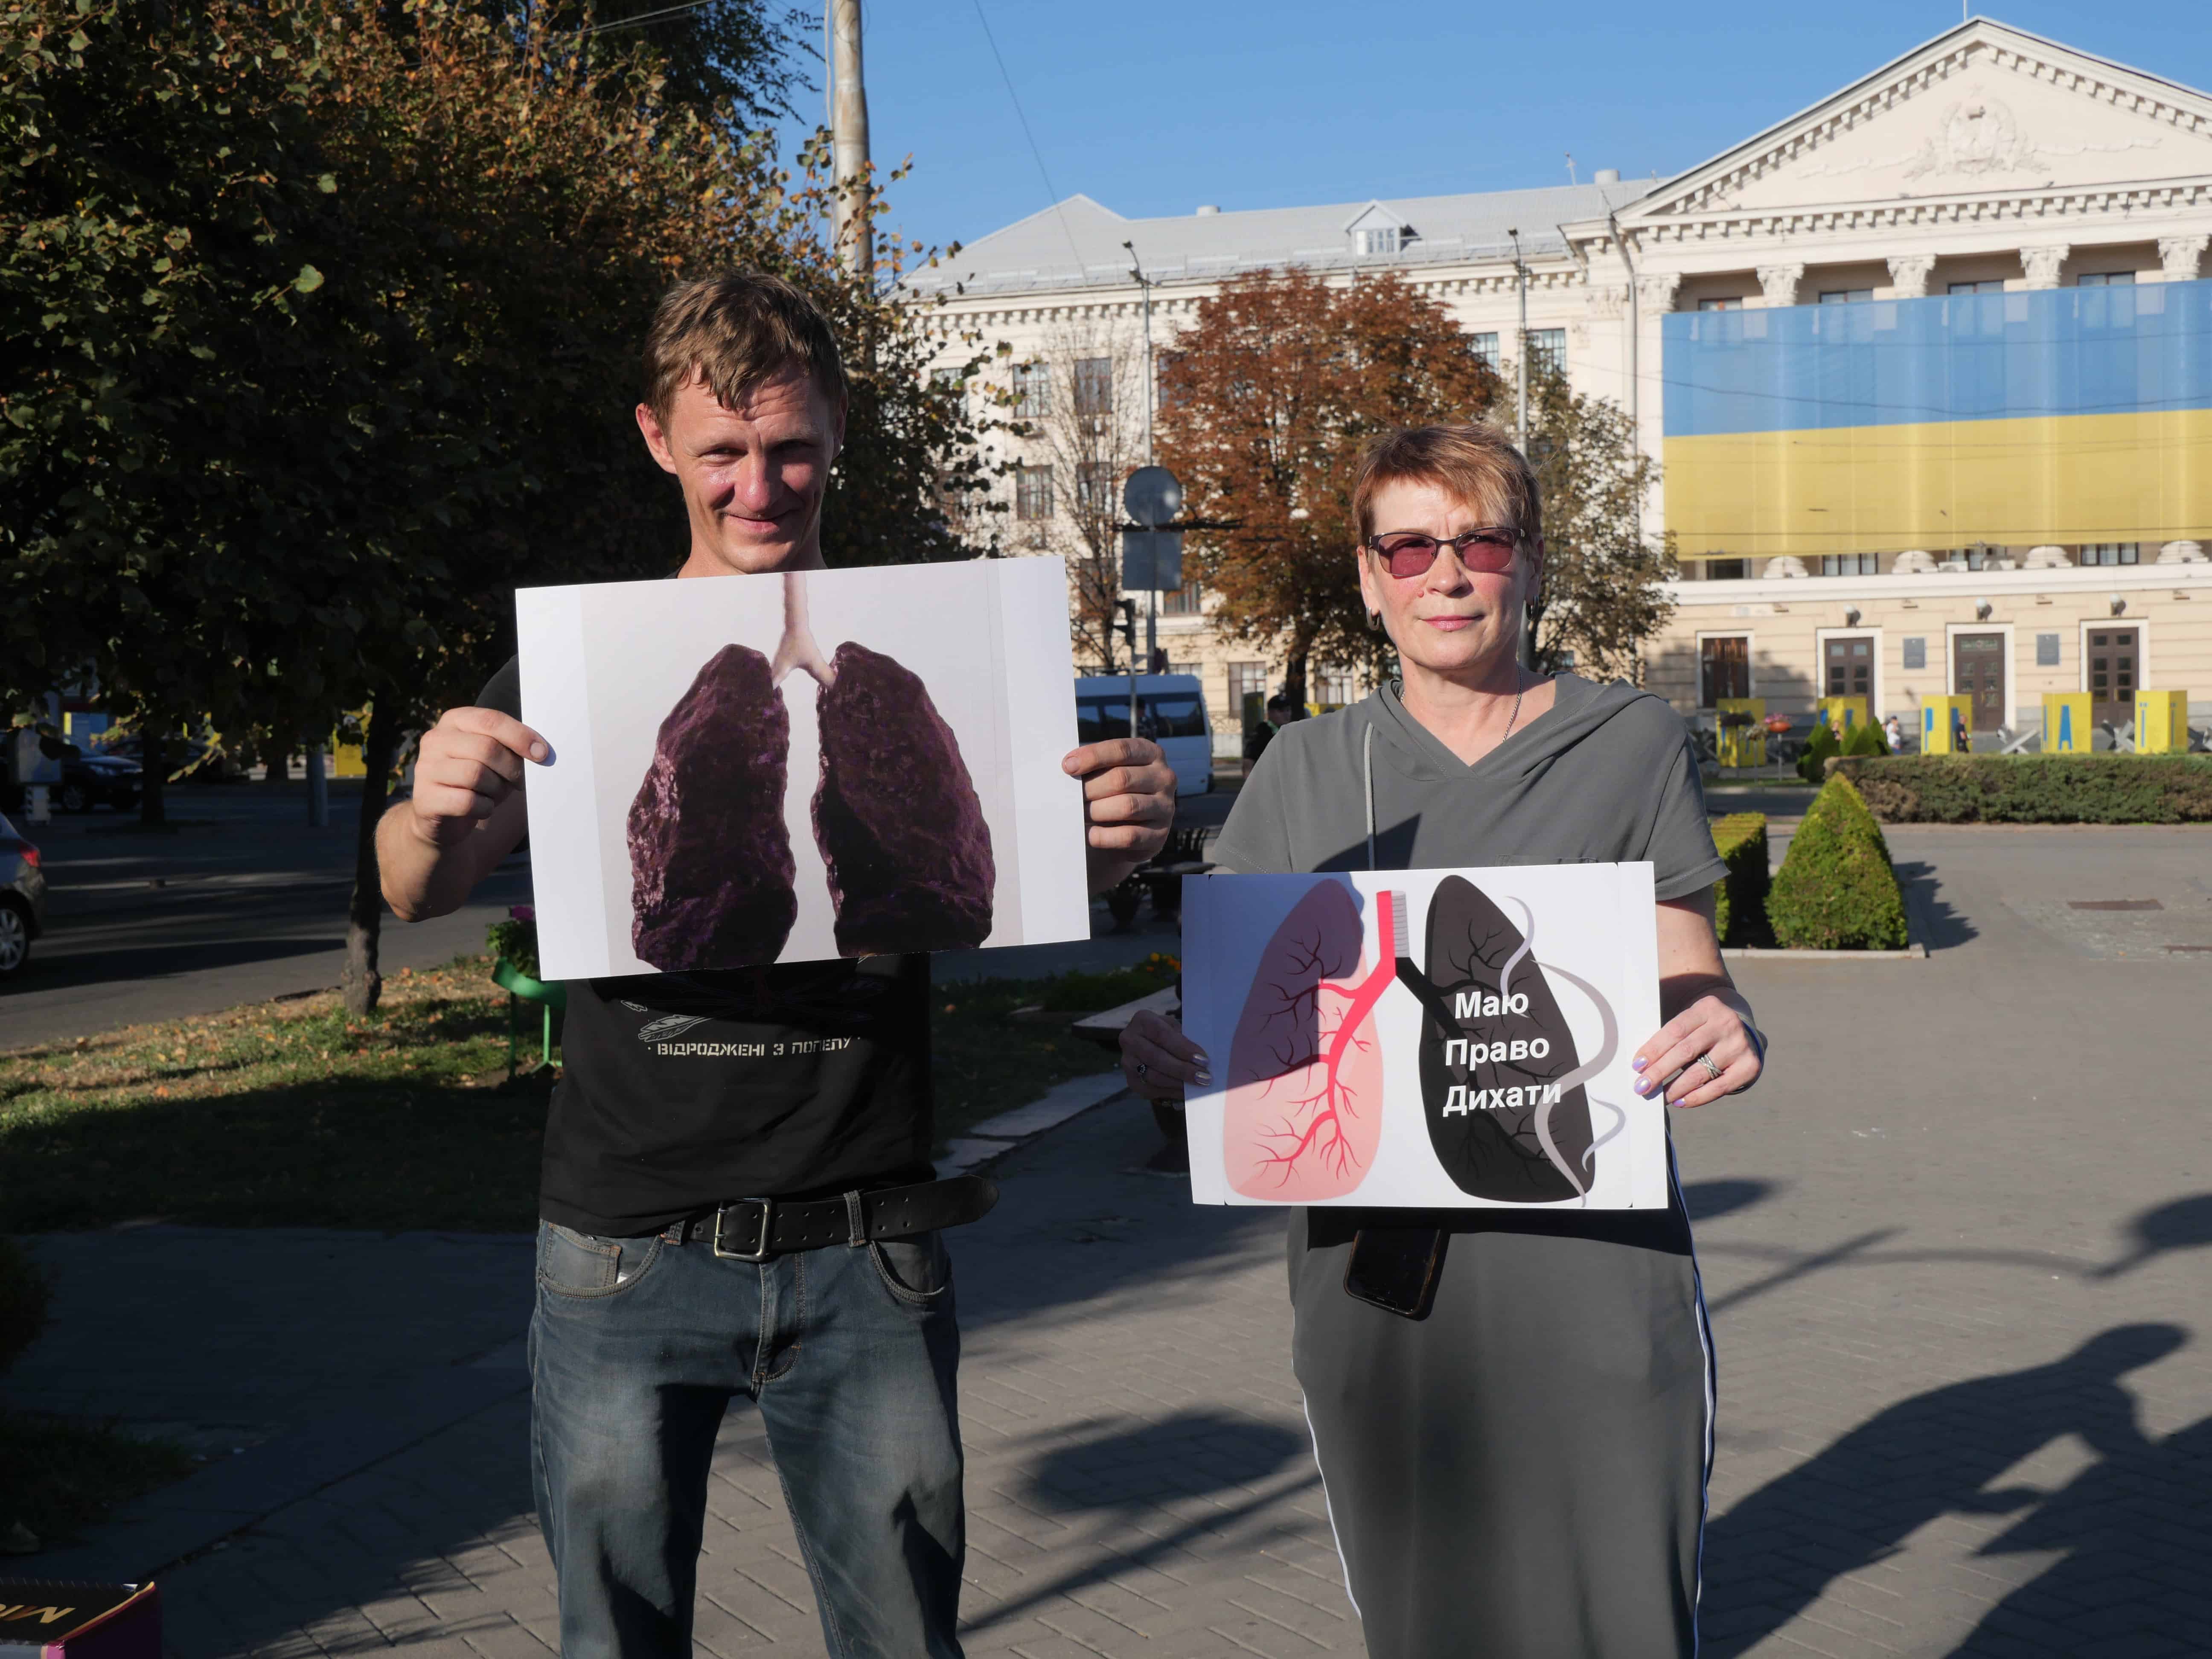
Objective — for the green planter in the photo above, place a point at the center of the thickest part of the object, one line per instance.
(521, 988)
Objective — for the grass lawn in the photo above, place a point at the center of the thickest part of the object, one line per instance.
(58, 1479)
(291, 1114)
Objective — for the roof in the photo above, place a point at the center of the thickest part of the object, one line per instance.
(1076, 243)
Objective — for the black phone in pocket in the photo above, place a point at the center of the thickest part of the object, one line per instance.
(1396, 1268)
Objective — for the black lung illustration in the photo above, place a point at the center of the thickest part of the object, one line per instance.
(1494, 1050)
(896, 817)
(710, 860)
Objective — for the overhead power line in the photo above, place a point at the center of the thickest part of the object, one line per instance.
(1037, 155)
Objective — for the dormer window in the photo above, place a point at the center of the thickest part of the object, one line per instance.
(1374, 239)
(1378, 231)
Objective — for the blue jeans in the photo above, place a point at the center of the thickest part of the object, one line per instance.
(635, 1349)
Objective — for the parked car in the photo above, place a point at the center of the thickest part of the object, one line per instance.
(1170, 710)
(188, 759)
(99, 780)
(22, 901)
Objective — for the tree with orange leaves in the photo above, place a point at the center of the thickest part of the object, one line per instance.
(1266, 406)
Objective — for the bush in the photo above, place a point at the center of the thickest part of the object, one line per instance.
(1835, 890)
(1863, 741)
(22, 1301)
(2035, 788)
(1740, 896)
(516, 940)
(1820, 748)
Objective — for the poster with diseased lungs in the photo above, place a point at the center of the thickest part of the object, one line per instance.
(1429, 1039)
(799, 767)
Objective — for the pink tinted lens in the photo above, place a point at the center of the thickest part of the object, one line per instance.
(1407, 555)
(1488, 553)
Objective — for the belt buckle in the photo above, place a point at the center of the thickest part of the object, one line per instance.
(766, 1231)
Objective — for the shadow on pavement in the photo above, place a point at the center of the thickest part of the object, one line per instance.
(2184, 1223)
(1936, 922)
(1707, 1201)
(1855, 1504)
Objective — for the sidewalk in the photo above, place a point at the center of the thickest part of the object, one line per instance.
(1954, 1249)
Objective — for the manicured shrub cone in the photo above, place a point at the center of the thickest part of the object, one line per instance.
(1836, 890)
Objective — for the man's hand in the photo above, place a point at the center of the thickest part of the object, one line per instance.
(467, 813)
(1128, 801)
(468, 762)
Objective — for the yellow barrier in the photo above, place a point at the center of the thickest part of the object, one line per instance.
(2066, 729)
(1744, 743)
(1939, 717)
(1839, 715)
(2161, 722)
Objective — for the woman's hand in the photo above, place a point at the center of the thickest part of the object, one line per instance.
(1676, 1060)
(1158, 1059)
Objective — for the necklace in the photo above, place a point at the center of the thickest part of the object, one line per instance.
(1514, 718)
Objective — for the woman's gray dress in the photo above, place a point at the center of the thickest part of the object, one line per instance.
(1521, 1474)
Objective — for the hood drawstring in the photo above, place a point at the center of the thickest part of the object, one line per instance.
(1367, 766)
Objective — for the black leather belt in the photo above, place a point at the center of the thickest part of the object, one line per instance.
(756, 1229)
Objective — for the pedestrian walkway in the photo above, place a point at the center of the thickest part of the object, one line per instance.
(1955, 1248)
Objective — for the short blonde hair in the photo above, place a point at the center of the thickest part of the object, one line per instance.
(1472, 461)
(734, 331)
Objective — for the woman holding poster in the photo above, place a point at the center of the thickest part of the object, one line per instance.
(1511, 1408)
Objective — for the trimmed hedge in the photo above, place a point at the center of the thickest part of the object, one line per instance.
(1835, 890)
(1740, 896)
(22, 1301)
(2035, 788)
(1820, 749)
(1865, 740)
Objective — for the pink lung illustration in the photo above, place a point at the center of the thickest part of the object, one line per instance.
(1305, 1111)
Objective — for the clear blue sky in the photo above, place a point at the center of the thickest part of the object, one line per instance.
(1152, 106)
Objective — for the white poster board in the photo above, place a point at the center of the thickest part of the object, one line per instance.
(797, 768)
(1429, 1039)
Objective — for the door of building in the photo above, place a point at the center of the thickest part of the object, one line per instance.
(1980, 660)
(1723, 669)
(1849, 669)
(2113, 656)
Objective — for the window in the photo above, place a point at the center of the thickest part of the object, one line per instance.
(1094, 385)
(1248, 693)
(1981, 557)
(2106, 279)
(1995, 286)
(1094, 489)
(2111, 553)
(1032, 391)
(1170, 715)
(1333, 688)
(1720, 305)
(1547, 350)
(1849, 564)
(1486, 351)
(949, 383)
(1846, 297)
(1727, 570)
(1723, 669)
(1383, 240)
(1165, 393)
(1185, 601)
(1033, 492)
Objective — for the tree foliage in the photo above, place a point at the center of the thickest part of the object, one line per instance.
(1601, 593)
(321, 335)
(1270, 397)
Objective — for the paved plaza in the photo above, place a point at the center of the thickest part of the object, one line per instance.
(1955, 1248)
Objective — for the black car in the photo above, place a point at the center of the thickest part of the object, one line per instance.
(90, 781)
(22, 901)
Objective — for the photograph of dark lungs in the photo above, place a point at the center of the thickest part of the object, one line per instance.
(896, 815)
(1502, 1083)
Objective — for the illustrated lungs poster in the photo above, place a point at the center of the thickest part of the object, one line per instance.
(795, 767)
(1424, 1038)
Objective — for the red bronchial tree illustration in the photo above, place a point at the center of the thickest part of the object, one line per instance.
(1304, 1108)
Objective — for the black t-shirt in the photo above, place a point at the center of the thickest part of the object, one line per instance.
(680, 1091)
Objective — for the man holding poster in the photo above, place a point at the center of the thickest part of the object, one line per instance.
(1511, 1405)
(737, 1194)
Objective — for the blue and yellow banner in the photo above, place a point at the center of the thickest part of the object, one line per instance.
(2058, 415)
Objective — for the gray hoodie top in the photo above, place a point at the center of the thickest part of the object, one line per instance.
(1605, 775)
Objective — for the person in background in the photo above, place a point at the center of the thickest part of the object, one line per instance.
(1512, 1410)
(1961, 744)
(1892, 729)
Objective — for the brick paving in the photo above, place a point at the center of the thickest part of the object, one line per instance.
(1954, 1249)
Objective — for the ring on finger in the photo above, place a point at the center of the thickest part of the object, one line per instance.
(1140, 1069)
(1712, 1070)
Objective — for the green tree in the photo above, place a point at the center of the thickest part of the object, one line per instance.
(1602, 592)
(321, 337)
(1272, 394)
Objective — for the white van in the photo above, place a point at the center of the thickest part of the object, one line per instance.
(1170, 710)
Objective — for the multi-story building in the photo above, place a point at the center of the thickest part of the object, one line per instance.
(1928, 368)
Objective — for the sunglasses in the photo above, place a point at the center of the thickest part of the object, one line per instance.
(1407, 553)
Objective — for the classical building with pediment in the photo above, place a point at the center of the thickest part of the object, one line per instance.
(1928, 368)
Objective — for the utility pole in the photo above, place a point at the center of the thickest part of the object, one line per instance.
(1520, 346)
(1151, 594)
(849, 133)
